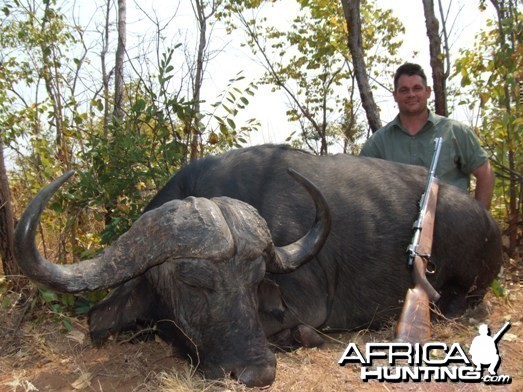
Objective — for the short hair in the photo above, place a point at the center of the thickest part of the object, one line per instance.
(409, 69)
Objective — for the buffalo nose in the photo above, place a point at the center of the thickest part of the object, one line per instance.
(255, 376)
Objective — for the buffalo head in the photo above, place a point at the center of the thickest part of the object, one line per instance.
(199, 263)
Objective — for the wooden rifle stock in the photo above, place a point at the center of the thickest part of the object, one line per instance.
(414, 322)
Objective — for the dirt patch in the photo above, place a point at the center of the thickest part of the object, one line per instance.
(37, 354)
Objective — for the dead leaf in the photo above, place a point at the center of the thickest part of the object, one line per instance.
(510, 337)
(77, 336)
(83, 381)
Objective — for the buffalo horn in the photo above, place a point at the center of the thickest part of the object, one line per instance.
(289, 257)
(199, 230)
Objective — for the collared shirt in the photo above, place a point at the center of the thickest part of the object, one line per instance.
(461, 152)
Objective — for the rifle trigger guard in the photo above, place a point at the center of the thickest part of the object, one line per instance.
(430, 269)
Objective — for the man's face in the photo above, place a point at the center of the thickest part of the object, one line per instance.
(411, 95)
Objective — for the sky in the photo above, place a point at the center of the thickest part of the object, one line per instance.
(270, 107)
(466, 22)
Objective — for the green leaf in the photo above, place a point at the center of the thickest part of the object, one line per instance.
(67, 324)
(139, 106)
(231, 123)
(498, 289)
(48, 295)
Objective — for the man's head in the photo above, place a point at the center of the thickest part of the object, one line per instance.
(411, 92)
(409, 69)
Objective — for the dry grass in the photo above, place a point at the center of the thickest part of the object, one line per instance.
(37, 355)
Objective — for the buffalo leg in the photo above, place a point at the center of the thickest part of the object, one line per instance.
(300, 336)
(453, 301)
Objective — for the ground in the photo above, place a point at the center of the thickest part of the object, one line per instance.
(38, 354)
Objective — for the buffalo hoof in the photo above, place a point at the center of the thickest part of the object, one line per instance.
(453, 301)
(307, 336)
(283, 341)
(299, 336)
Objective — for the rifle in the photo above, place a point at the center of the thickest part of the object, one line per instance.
(501, 332)
(414, 322)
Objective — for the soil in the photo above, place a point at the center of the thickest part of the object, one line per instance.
(38, 354)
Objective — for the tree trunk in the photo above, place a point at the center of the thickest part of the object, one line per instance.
(52, 85)
(436, 58)
(506, 39)
(199, 10)
(9, 265)
(351, 10)
(120, 55)
(106, 76)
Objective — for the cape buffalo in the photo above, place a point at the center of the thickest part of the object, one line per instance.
(220, 289)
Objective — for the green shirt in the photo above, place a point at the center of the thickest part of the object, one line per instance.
(461, 152)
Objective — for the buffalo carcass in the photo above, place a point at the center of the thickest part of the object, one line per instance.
(357, 280)
(194, 266)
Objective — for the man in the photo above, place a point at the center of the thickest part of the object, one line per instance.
(484, 351)
(409, 138)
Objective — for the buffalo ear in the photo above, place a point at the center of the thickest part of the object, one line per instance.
(128, 307)
(270, 300)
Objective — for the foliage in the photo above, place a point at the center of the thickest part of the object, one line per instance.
(310, 61)
(489, 73)
(36, 41)
(151, 143)
(53, 115)
(63, 304)
(120, 164)
(232, 101)
(497, 289)
(54, 101)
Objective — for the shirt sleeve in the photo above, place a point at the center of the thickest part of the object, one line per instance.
(473, 155)
(370, 148)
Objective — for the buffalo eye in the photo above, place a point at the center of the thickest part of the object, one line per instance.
(196, 274)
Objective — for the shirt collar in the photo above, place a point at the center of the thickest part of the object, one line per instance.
(433, 119)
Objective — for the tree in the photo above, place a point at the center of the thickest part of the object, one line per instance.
(193, 122)
(351, 9)
(490, 72)
(9, 265)
(50, 59)
(510, 58)
(39, 82)
(120, 57)
(311, 62)
(436, 58)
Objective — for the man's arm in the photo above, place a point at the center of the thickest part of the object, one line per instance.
(373, 147)
(484, 184)
(370, 150)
